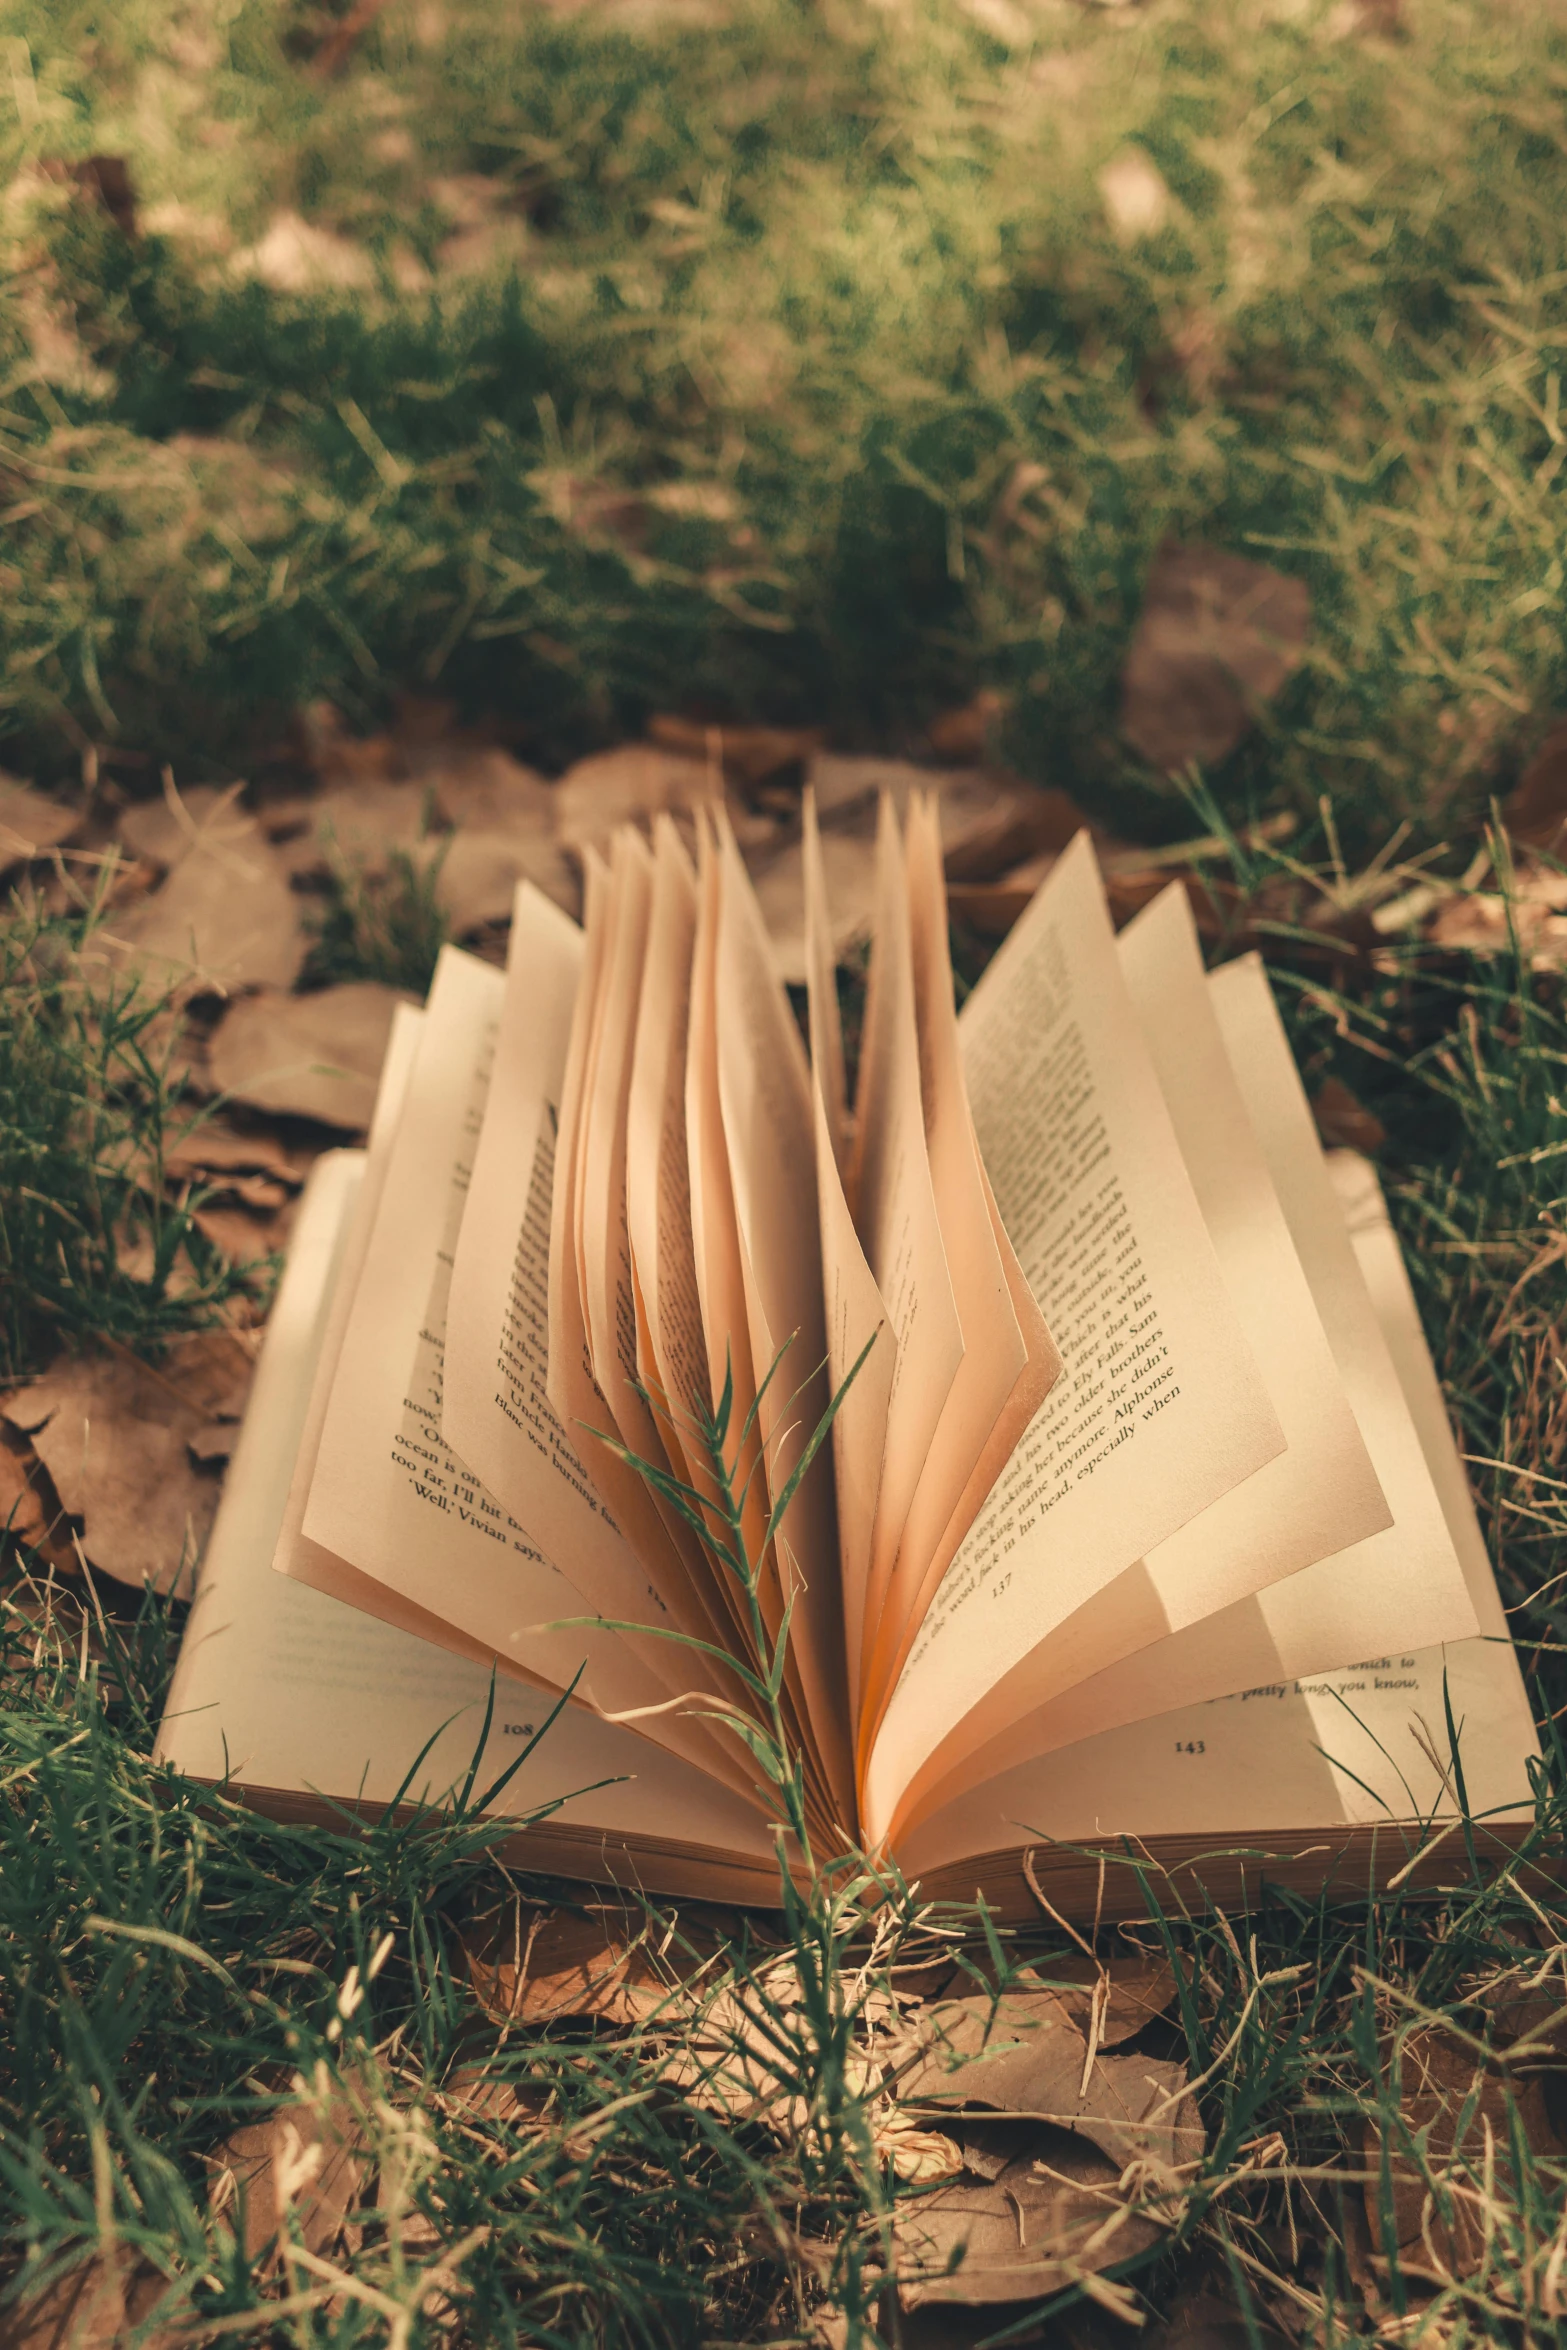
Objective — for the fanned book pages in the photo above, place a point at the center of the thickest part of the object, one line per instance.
(1071, 1411)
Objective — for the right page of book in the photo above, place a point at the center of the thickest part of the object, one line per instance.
(1300, 1747)
(1160, 1407)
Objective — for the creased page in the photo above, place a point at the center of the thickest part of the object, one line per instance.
(665, 1543)
(671, 1349)
(389, 1497)
(1161, 1406)
(1316, 1497)
(898, 1221)
(1009, 1360)
(286, 1688)
(592, 1097)
(496, 1411)
(1403, 1586)
(769, 1131)
(856, 1317)
(1304, 1745)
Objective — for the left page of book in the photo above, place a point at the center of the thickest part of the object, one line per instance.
(389, 1497)
(280, 1687)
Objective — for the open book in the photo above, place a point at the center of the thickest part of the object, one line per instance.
(1139, 1529)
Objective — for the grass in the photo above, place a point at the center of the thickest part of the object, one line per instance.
(825, 390)
(824, 387)
(91, 1246)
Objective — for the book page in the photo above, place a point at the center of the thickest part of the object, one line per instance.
(670, 1347)
(1160, 1407)
(1009, 1360)
(898, 1221)
(1407, 1586)
(1305, 1748)
(496, 1411)
(769, 1133)
(389, 1497)
(1316, 1497)
(283, 1687)
(857, 1319)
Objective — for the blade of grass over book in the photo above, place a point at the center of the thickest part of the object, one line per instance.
(389, 1497)
(1163, 1407)
(671, 1352)
(314, 1708)
(769, 1132)
(856, 1316)
(1401, 1585)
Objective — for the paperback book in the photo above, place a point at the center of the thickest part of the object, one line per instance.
(1046, 1406)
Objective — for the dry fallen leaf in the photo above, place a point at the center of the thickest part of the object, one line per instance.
(479, 872)
(1218, 635)
(212, 1148)
(1344, 1122)
(30, 1510)
(1114, 1997)
(554, 1963)
(617, 787)
(356, 824)
(309, 1056)
(30, 825)
(96, 2307)
(114, 1435)
(1047, 2216)
(159, 832)
(849, 863)
(224, 918)
(485, 789)
(305, 2163)
(746, 754)
(1024, 2053)
(1536, 813)
(1460, 2111)
(1485, 923)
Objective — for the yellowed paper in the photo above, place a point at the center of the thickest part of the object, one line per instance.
(1299, 1749)
(898, 1221)
(765, 1104)
(858, 1329)
(285, 1688)
(388, 1496)
(1161, 1407)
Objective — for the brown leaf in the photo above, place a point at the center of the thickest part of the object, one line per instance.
(849, 863)
(114, 1436)
(479, 873)
(617, 787)
(1344, 1122)
(1039, 2224)
(965, 733)
(1024, 2053)
(357, 824)
(746, 754)
(159, 832)
(96, 2307)
(306, 2163)
(1536, 812)
(1218, 636)
(310, 1056)
(30, 1509)
(1485, 923)
(556, 1963)
(1201, 2321)
(225, 918)
(213, 1146)
(485, 789)
(30, 825)
(1459, 2109)
(244, 1239)
(1116, 1997)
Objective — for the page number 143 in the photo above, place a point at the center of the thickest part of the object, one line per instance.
(1191, 1746)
